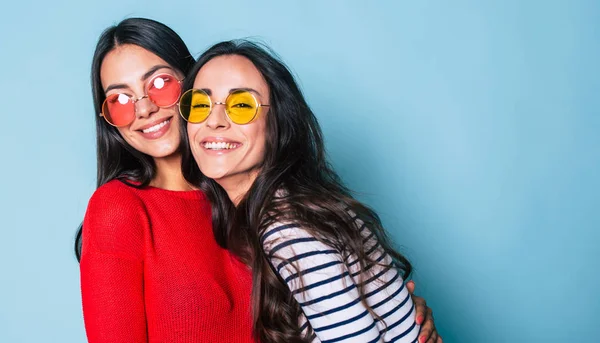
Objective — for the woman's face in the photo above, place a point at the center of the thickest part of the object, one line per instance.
(228, 152)
(127, 70)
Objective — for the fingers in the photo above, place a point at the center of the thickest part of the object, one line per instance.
(423, 317)
(428, 330)
(410, 286)
(434, 337)
(420, 309)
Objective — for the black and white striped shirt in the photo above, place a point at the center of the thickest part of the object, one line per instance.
(328, 292)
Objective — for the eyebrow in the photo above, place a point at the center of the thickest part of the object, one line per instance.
(143, 78)
(251, 90)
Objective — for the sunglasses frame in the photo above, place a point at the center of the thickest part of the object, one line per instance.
(212, 104)
(135, 100)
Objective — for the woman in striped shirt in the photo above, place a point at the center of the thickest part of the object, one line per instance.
(323, 268)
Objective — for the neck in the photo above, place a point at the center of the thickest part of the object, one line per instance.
(238, 185)
(168, 174)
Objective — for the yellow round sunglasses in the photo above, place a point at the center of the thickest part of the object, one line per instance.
(241, 106)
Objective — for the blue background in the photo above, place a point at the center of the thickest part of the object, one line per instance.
(472, 127)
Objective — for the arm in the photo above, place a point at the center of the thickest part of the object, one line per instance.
(328, 294)
(112, 267)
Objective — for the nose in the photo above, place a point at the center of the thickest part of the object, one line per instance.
(217, 119)
(144, 108)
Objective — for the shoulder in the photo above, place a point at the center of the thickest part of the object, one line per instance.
(284, 228)
(115, 220)
(283, 232)
(114, 200)
(114, 189)
(287, 239)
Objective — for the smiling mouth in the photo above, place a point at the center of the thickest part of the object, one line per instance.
(220, 145)
(156, 127)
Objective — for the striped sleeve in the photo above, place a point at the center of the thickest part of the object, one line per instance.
(325, 285)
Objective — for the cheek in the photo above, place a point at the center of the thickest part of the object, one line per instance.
(125, 134)
(192, 133)
(176, 126)
(192, 129)
(261, 134)
(257, 134)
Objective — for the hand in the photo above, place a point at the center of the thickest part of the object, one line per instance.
(424, 317)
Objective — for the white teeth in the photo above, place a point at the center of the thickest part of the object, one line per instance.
(220, 145)
(156, 127)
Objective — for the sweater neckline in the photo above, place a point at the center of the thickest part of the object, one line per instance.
(191, 194)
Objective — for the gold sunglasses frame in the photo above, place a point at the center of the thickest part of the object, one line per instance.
(213, 103)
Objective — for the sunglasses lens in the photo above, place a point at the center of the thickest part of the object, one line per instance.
(164, 90)
(118, 110)
(194, 106)
(241, 107)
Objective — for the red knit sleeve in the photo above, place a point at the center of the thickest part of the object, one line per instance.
(112, 266)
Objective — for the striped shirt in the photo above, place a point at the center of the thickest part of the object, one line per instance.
(328, 293)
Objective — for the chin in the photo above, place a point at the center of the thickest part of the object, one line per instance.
(214, 174)
(164, 151)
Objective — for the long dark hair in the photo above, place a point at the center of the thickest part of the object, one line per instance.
(295, 161)
(116, 159)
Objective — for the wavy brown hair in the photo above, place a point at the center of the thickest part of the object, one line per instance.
(315, 197)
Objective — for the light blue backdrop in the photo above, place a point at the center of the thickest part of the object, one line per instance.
(472, 127)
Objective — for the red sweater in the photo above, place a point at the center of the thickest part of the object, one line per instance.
(151, 270)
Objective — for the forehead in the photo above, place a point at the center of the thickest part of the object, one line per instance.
(127, 64)
(231, 71)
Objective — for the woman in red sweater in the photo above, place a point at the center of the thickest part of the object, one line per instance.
(151, 268)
